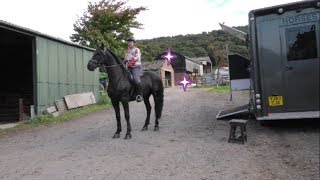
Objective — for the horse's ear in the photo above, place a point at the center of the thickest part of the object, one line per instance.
(102, 46)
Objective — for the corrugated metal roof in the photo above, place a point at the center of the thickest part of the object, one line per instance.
(191, 65)
(200, 59)
(192, 60)
(152, 65)
(14, 27)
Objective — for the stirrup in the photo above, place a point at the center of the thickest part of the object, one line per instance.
(139, 98)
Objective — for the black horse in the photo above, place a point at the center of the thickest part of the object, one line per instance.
(121, 89)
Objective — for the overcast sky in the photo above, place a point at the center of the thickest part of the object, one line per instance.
(164, 17)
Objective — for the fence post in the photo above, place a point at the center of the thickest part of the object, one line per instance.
(21, 113)
(32, 114)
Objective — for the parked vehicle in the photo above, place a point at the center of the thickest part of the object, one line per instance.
(283, 72)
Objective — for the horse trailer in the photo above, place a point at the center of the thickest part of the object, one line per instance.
(282, 73)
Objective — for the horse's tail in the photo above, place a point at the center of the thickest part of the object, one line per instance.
(158, 98)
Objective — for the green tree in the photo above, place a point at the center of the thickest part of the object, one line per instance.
(210, 50)
(108, 22)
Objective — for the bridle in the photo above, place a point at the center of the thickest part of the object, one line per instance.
(104, 51)
(99, 63)
(112, 65)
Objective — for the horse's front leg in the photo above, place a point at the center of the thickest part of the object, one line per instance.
(115, 104)
(125, 105)
(148, 107)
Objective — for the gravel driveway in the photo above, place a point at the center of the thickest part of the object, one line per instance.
(191, 144)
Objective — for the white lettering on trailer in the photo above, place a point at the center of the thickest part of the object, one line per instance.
(301, 18)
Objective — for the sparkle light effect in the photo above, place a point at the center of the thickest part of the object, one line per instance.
(169, 56)
(185, 82)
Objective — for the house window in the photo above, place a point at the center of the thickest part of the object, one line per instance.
(301, 43)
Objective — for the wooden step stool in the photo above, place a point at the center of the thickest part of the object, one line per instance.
(234, 123)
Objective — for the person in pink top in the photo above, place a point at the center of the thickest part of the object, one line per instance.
(133, 62)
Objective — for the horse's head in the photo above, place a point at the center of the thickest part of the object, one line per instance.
(98, 58)
(103, 56)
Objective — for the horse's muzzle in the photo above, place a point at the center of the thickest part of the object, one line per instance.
(91, 66)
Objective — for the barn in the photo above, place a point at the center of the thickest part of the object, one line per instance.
(194, 69)
(160, 67)
(182, 64)
(206, 64)
(38, 69)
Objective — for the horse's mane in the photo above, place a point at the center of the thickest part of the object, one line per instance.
(117, 59)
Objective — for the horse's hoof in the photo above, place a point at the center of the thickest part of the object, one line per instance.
(116, 136)
(128, 136)
(145, 128)
(156, 128)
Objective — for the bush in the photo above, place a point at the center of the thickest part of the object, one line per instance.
(104, 99)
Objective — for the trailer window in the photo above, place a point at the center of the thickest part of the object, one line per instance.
(301, 43)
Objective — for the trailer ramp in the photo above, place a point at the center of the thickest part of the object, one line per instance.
(233, 111)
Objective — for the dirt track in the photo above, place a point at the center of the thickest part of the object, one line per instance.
(191, 144)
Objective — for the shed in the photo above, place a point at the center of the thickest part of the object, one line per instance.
(206, 63)
(40, 69)
(165, 72)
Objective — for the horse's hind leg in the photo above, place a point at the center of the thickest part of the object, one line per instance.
(156, 126)
(158, 104)
(125, 105)
(148, 107)
(116, 107)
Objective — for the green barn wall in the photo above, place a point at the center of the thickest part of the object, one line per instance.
(62, 70)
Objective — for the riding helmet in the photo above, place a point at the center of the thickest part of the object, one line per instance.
(131, 39)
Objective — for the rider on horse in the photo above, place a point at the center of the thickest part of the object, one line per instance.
(133, 61)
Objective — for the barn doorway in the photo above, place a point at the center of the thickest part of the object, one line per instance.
(168, 78)
(16, 74)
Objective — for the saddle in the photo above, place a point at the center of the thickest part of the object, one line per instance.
(133, 90)
(130, 76)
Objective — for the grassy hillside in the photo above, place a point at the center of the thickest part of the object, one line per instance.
(212, 44)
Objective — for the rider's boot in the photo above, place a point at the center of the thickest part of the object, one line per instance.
(139, 97)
